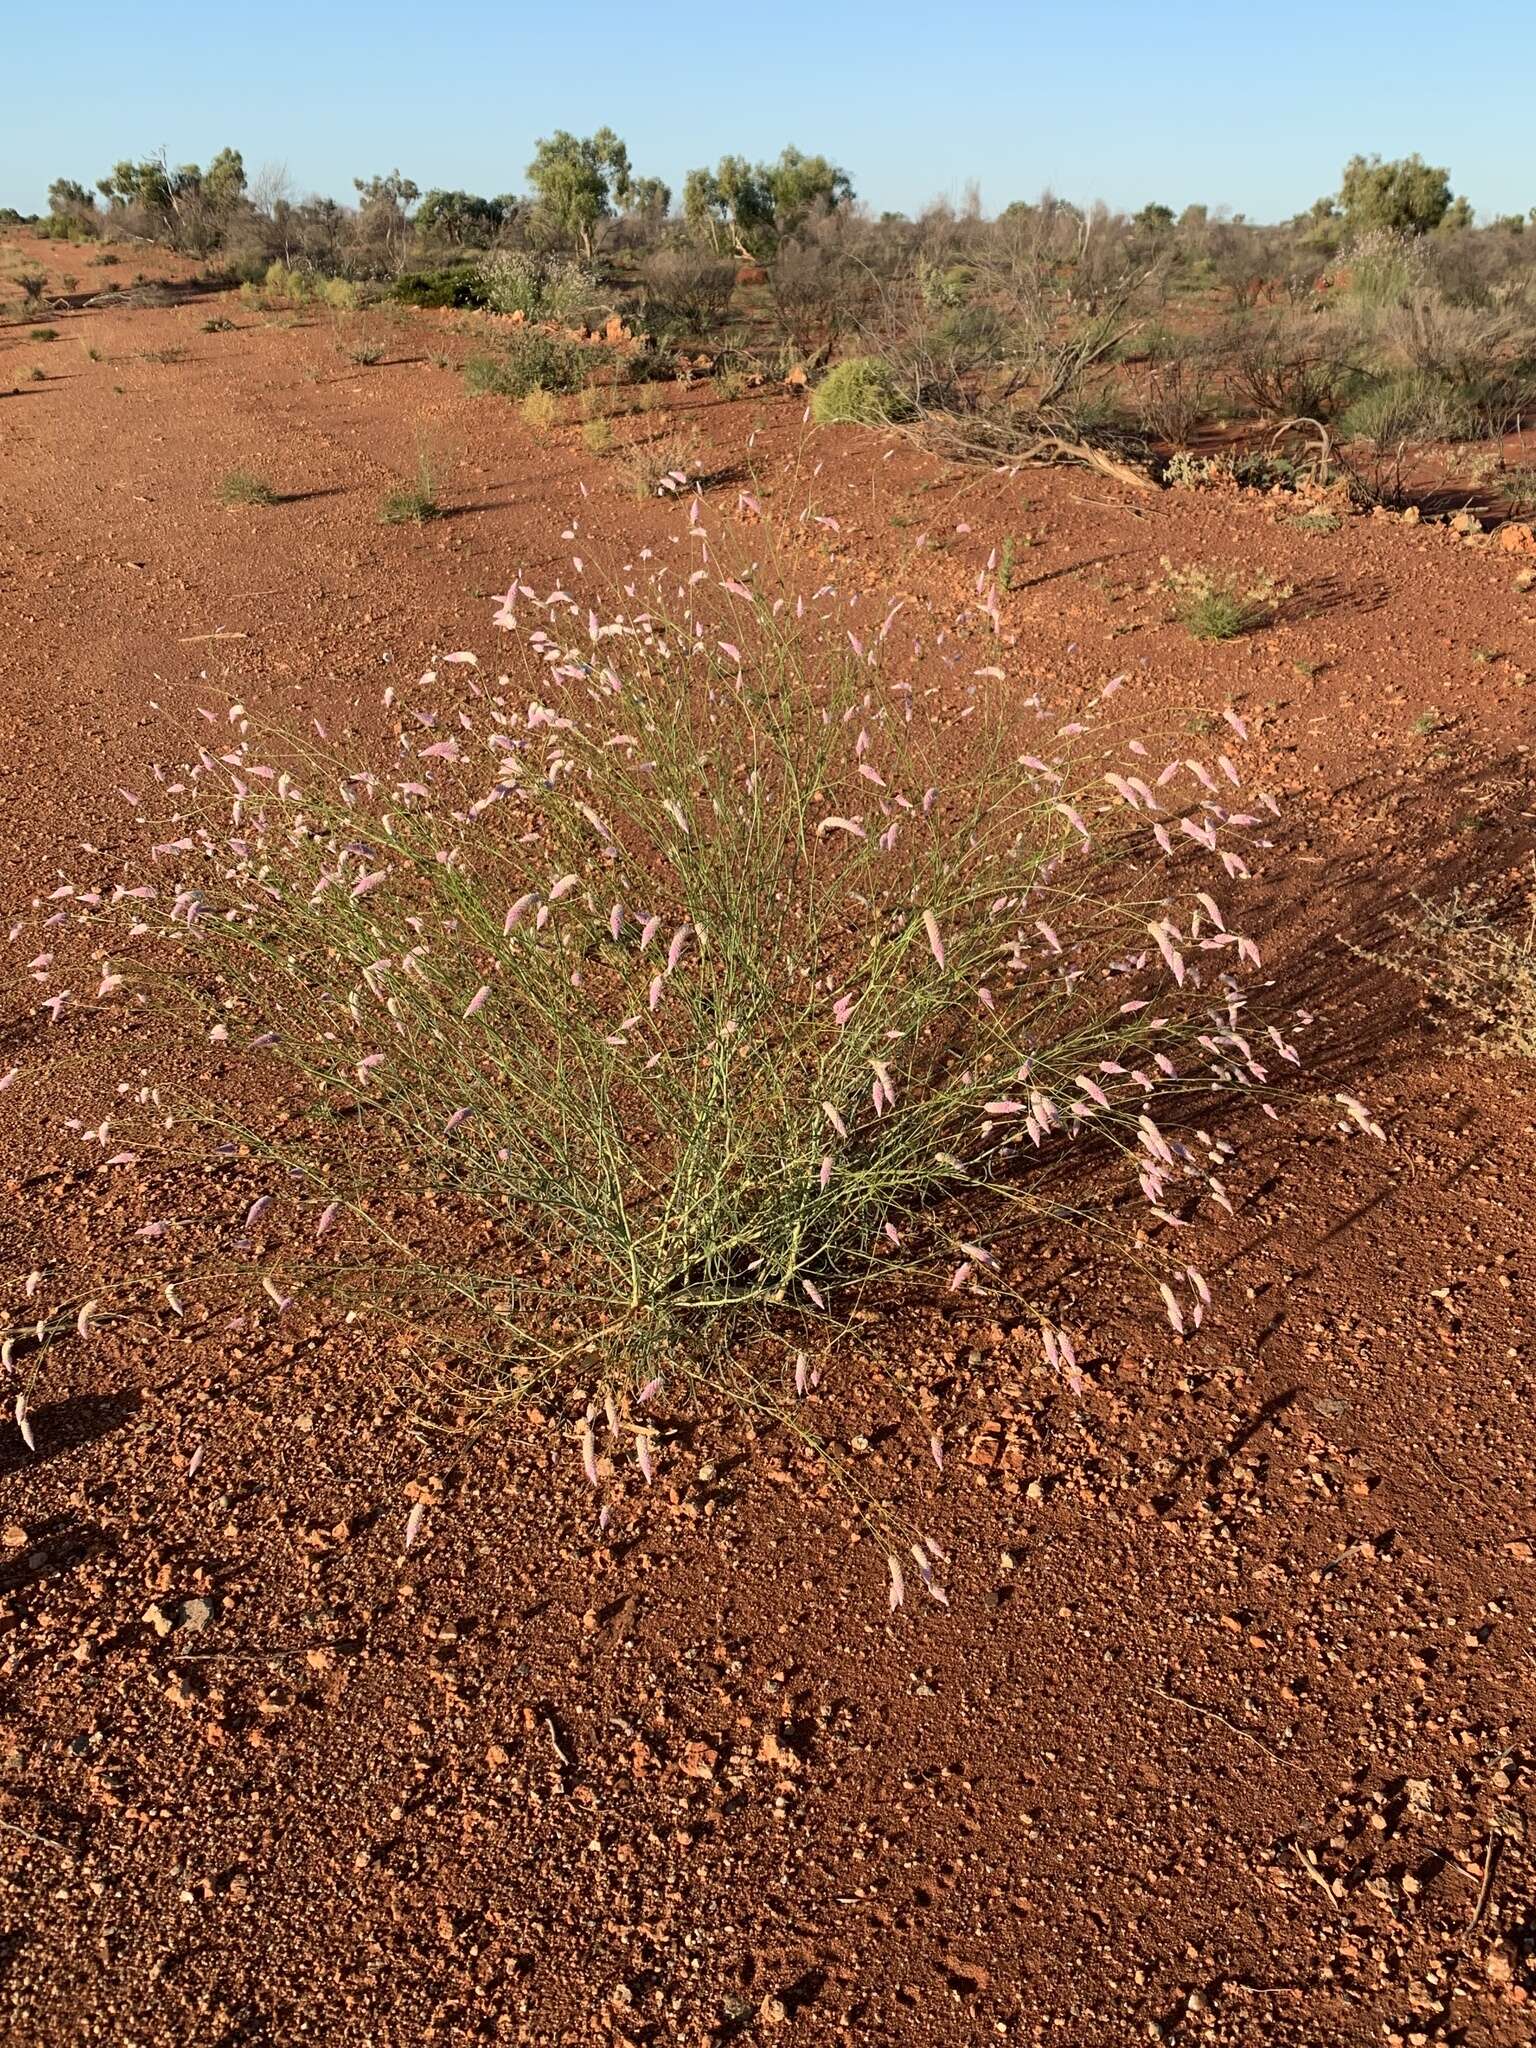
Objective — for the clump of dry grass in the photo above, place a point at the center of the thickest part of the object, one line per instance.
(1477, 961)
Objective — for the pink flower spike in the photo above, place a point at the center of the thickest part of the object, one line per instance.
(815, 1293)
(830, 1112)
(935, 942)
(616, 921)
(826, 1170)
(588, 1454)
(680, 939)
(649, 1391)
(1171, 1304)
(648, 931)
(898, 1591)
(366, 884)
(257, 1210)
(842, 1010)
(8, 1078)
(477, 1001)
(731, 652)
(459, 1116)
(328, 1216)
(643, 1456)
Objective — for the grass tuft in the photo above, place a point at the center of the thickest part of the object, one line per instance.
(241, 487)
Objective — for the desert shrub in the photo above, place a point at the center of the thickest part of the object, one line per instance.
(820, 292)
(597, 436)
(540, 409)
(659, 465)
(31, 284)
(734, 992)
(1478, 961)
(43, 334)
(1285, 365)
(538, 286)
(533, 362)
(242, 487)
(1384, 267)
(457, 284)
(364, 351)
(218, 324)
(1414, 405)
(1220, 604)
(1172, 396)
(686, 293)
(860, 392)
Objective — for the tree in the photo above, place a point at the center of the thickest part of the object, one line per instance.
(384, 217)
(223, 183)
(70, 199)
(749, 207)
(461, 218)
(1406, 195)
(649, 199)
(578, 178)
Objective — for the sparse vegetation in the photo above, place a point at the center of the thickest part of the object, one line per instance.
(411, 504)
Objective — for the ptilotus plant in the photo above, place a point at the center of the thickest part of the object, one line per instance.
(639, 1011)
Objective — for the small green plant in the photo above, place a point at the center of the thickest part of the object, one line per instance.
(171, 354)
(597, 436)
(1428, 721)
(540, 410)
(31, 284)
(365, 353)
(241, 487)
(411, 504)
(219, 324)
(1006, 566)
(105, 261)
(37, 374)
(539, 287)
(1315, 522)
(94, 355)
(43, 334)
(860, 392)
(1214, 604)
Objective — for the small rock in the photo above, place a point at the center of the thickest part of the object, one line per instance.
(158, 1619)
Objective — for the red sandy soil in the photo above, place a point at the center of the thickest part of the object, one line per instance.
(1225, 1737)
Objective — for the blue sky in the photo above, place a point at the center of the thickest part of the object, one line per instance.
(1255, 109)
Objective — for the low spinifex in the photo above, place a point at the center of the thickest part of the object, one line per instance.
(702, 976)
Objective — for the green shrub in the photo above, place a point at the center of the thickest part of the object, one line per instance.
(44, 334)
(539, 287)
(533, 362)
(457, 284)
(860, 392)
